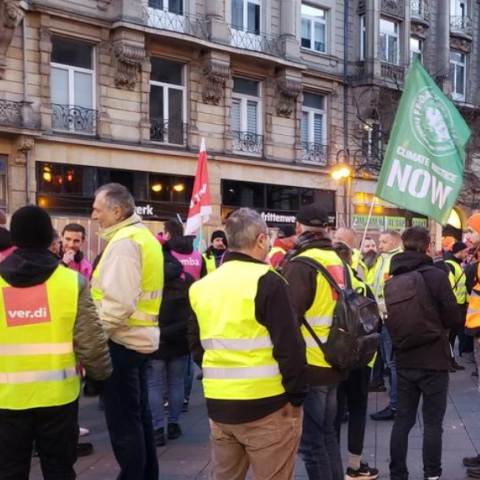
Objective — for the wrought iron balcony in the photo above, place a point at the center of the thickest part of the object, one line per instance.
(315, 153)
(174, 22)
(420, 9)
(174, 133)
(74, 119)
(461, 24)
(247, 142)
(247, 40)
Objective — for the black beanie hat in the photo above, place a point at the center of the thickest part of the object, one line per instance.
(31, 227)
(219, 234)
(458, 247)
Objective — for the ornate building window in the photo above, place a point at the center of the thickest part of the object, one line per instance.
(167, 102)
(246, 117)
(416, 49)
(389, 42)
(72, 86)
(314, 28)
(313, 128)
(458, 75)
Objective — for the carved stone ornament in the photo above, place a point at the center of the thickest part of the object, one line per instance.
(103, 4)
(393, 7)
(11, 15)
(24, 144)
(128, 60)
(460, 44)
(215, 74)
(288, 92)
(418, 30)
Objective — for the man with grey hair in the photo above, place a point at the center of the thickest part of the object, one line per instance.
(244, 336)
(127, 289)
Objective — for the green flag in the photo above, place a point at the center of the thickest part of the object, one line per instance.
(423, 167)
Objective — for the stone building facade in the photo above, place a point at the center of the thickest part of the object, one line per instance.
(282, 91)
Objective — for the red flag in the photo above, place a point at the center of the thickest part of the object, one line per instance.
(201, 204)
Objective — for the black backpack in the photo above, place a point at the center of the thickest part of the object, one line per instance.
(412, 317)
(353, 338)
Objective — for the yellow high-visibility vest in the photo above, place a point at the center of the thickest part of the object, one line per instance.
(37, 362)
(210, 262)
(238, 362)
(457, 281)
(320, 314)
(148, 305)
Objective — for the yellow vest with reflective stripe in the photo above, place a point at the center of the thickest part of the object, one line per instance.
(37, 362)
(473, 313)
(358, 264)
(238, 362)
(276, 250)
(457, 281)
(210, 263)
(150, 299)
(320, 314)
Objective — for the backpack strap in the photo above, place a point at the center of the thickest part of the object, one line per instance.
(326, 274)
(320, 268)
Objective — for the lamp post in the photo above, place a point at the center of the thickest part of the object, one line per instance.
(343, 173)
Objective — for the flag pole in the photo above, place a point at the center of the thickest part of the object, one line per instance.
(368, 223)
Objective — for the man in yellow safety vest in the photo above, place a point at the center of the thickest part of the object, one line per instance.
(247, 341)
(48, 322)
(127, 290)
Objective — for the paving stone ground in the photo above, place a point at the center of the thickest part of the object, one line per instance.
(188, 458)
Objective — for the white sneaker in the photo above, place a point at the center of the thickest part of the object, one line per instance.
(83, 432)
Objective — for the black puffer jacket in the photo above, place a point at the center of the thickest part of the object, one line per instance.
(434, 356)
(175, 309)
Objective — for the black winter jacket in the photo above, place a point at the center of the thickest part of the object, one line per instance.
(175, 310)
(434, 356)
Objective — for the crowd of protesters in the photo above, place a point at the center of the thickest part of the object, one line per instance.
(255, 316)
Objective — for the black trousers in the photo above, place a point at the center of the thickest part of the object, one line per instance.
(55, 433)
(128, 415)
(432, 386)
(353, 394)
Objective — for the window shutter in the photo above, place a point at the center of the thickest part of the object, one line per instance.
(304, 127)
(318, 128)
(252, 123)
(235, 126)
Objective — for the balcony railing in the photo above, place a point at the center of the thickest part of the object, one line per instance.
(174, 22)
(247, 40)
(11, 113)
(392, 72)
(74, 119)
(247, 142)
(461, 24)
(315, 153)
(420, 9)
(173, 133)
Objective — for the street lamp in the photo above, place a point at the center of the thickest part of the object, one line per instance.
(339, 173)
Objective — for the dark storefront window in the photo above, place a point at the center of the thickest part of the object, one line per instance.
(280, 198)
(70, 188)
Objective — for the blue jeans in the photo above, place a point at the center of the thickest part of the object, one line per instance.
(319, 447)
(128, 415)
(166, 376)
(389, 359)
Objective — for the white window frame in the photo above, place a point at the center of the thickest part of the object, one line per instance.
(414, 51)
(456, 9)
(311, 111)
(369, 127)
(244, 99)
(313, 21)
(363, 37)
(396, 36)
(453, 66)
(166, 100)
(164, 19)
(244, 38)
(71, 70)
